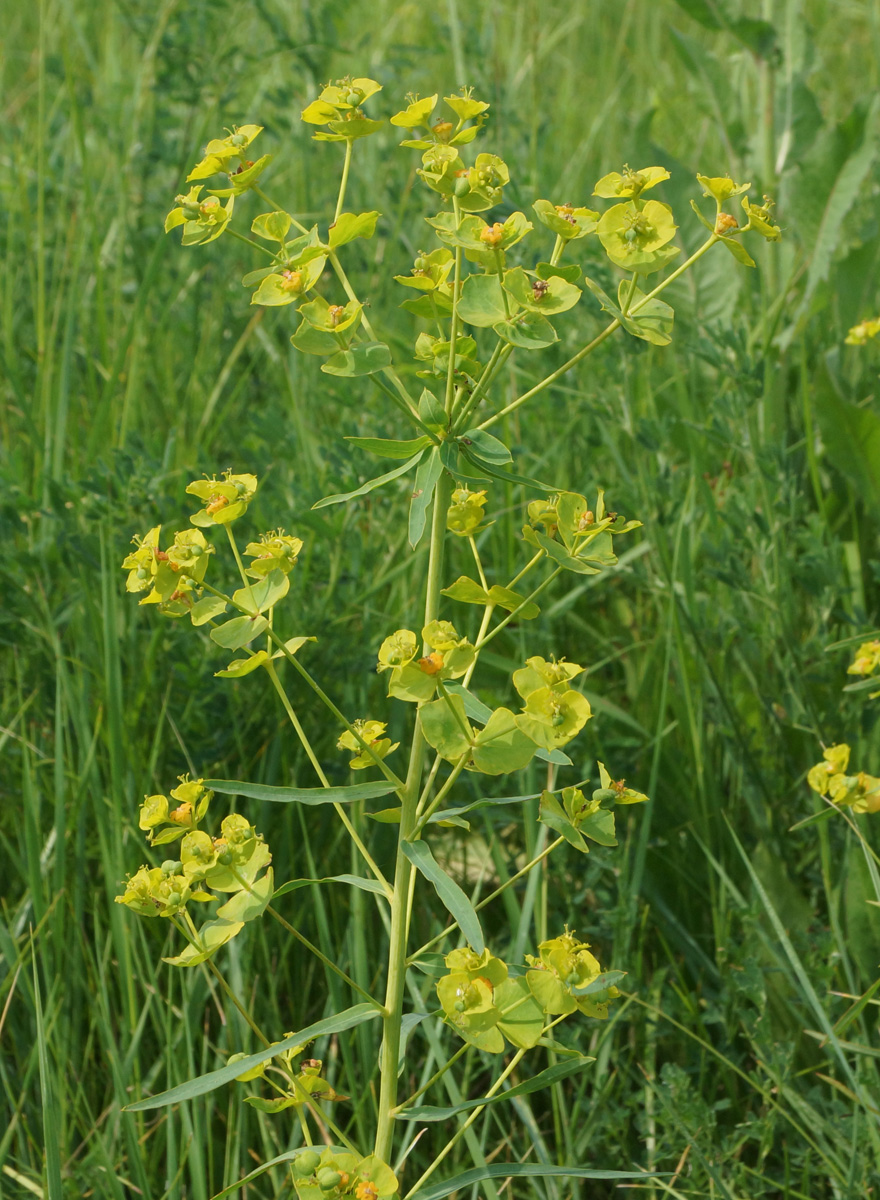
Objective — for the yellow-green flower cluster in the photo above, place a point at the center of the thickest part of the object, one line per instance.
(860, 792)
(370, 732)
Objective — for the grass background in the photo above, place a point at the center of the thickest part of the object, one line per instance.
(750, 448)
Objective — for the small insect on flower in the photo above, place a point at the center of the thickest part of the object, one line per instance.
(540, 287)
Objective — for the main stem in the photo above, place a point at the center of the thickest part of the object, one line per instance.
(403, 867)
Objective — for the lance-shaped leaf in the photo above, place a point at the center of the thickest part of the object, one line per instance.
(544, 1079)
(454, 899)
(291, 795)
(389, 447)
(355, 881)
(371, 484)
(214, 1079)
(427, 474)
(485, 447)
(515, 1170)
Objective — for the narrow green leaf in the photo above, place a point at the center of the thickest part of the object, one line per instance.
(486, 447)
(516, 1170)
(371, 484)
(355, 881)
(505, 476)
(427, 474)
(214, 1079)
(51, 1139)
(389, 447)
(823, 814)
(291, 795)
(419, 854)
(430, 1112)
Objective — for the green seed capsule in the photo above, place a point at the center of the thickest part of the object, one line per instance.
(605, 795)
(305, 1163)
(328, 1179)
(354, 97)
(462, 186)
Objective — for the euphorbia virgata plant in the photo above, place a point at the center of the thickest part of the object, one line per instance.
(485, 291)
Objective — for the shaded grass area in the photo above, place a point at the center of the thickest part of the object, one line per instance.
(130, 366)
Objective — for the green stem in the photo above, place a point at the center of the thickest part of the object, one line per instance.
(250, 242)
(343, 183)
(403, 867)
(531, 563)
(510, 616)
(499, 263)
(442, 794)
(500, 355)
(598, 340)
(325, 782)
(558, 247)
(453, 335)
(631, 291)
(245, 578)
(476, 555)
(328, 963)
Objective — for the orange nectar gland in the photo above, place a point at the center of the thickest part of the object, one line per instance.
(292, 281)
(344, 1180)
(216, 504)
(335, 314)
(432, 663)
(442, 130)
(182, 814)
(208, 207)
(725, 222)
(492, 234)
(366, 1191)
(566, 211)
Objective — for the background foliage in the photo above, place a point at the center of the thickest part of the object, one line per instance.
(750, 448)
